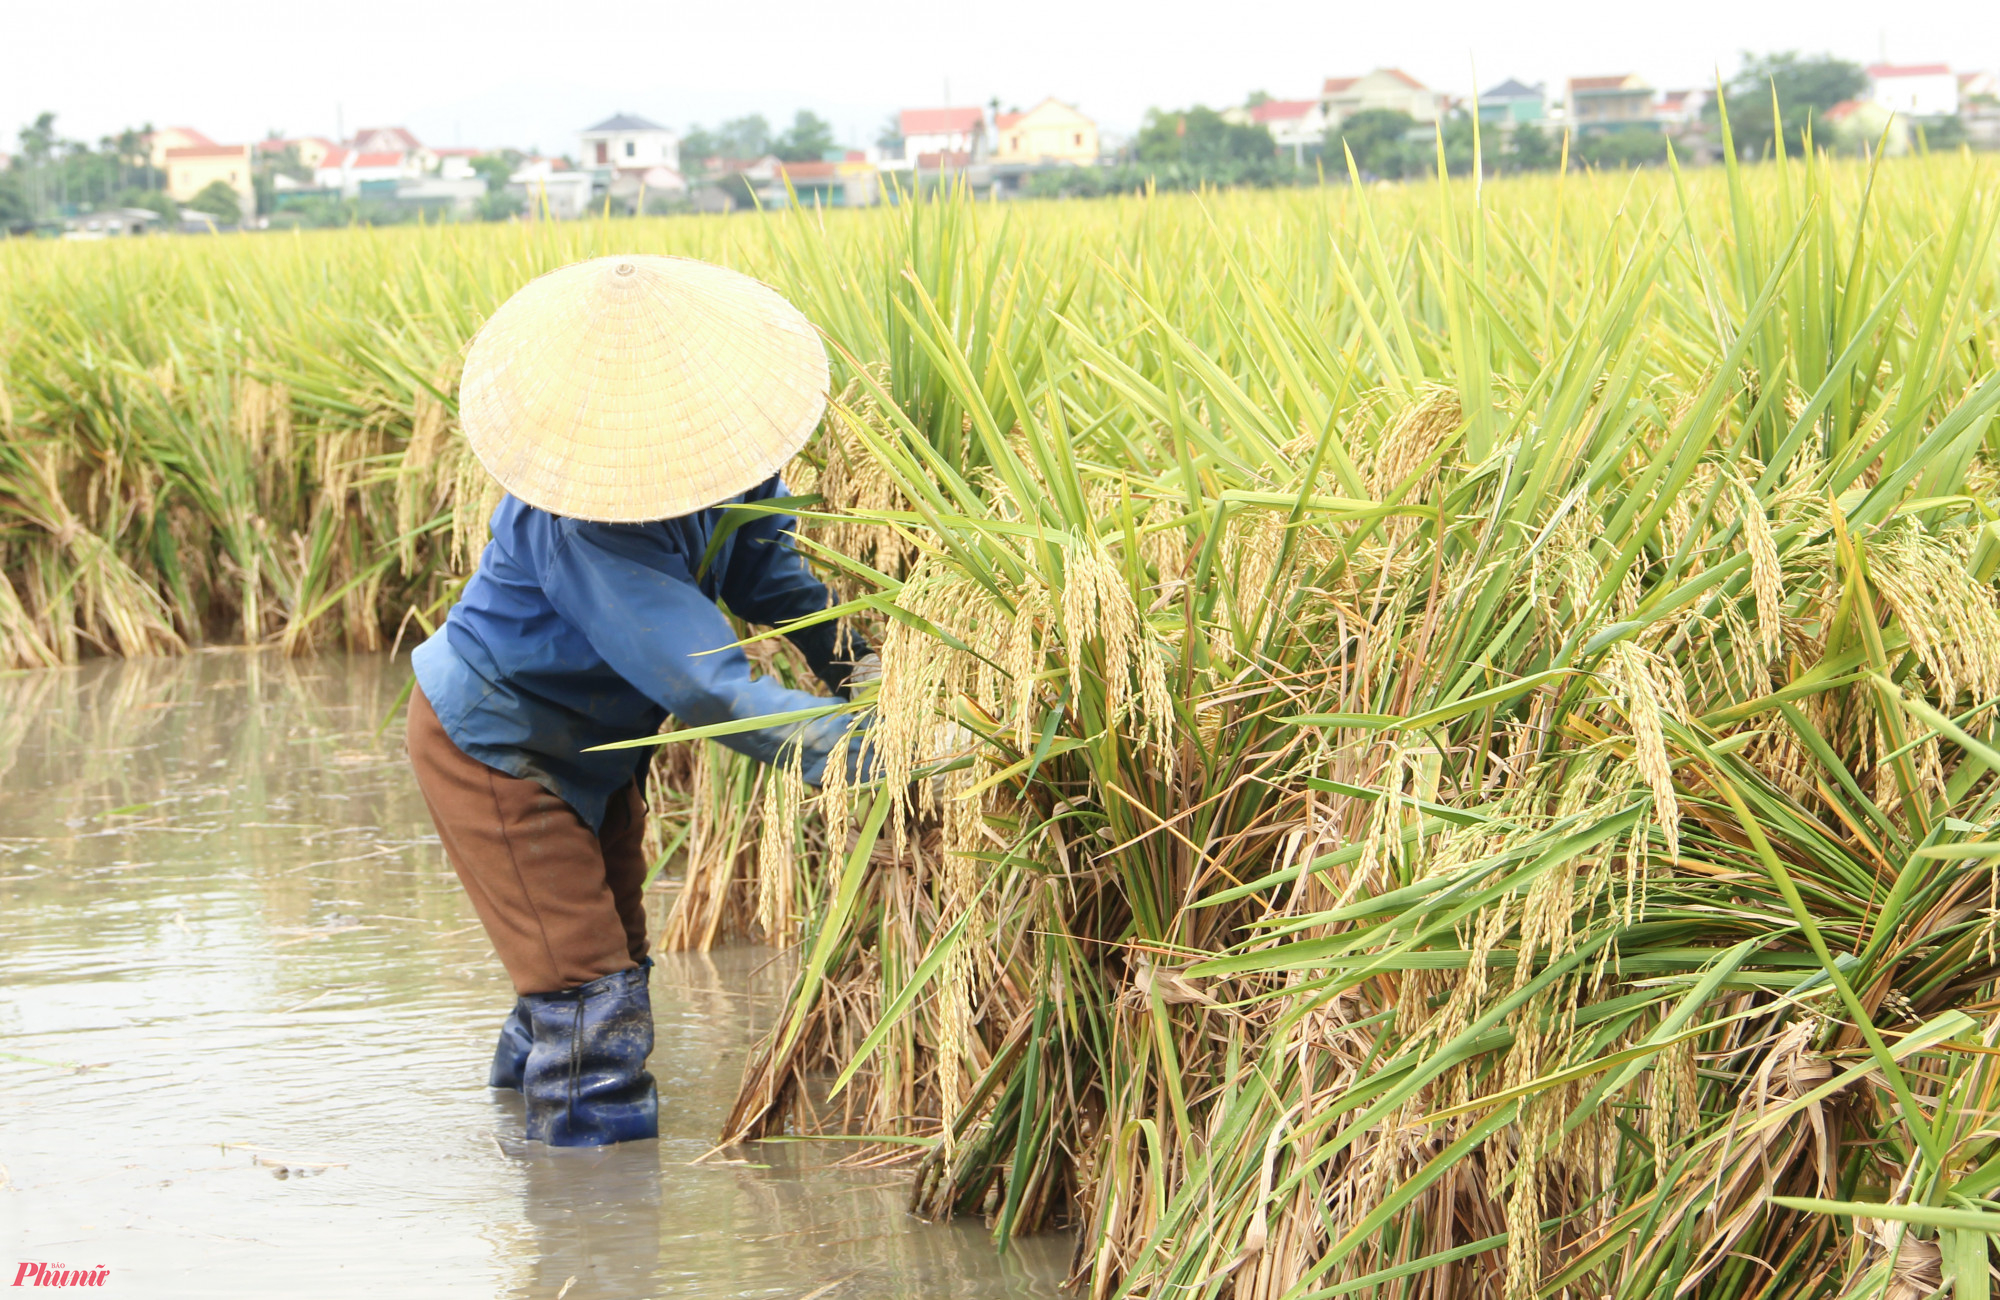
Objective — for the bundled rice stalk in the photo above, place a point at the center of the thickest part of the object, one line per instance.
(1414, 802)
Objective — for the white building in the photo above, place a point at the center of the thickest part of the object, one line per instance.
(1385, 88)
(948, 137)
(455, 163)
(1916, 89)
(548, 185)
(110, 223)
(626, 142)
(1295, 124)
(393, 139)
(348, 170)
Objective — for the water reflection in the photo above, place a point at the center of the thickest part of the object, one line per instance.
(245, 1014)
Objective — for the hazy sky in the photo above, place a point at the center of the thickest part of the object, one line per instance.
(509, 72)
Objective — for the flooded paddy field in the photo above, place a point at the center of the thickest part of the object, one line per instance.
(245, 1016)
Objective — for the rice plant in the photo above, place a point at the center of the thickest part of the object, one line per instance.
(1440, 738)
(1467, 773)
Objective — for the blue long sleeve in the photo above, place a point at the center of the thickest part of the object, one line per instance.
(572, 635)
(769, 582)
(638, 605)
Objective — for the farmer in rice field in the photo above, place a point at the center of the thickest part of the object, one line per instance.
(624, 404)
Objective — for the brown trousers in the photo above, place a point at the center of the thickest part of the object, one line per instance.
(562, 905)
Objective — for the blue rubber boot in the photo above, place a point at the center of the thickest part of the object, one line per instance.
(510, 1055)
(586, 1080)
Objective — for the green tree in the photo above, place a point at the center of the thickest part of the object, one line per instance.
(494, 169)
(808, 140)
(1941, 133)
(38, 144)
(736, 187)
(1805, 89)
(157, 200)
(697, 147)
(1199, 138)
(890, 138)
(1379, 140)
(498, 205)
(1627, 147)
(745, 137)
(218, 201)
(16, 213)
(1530, 148)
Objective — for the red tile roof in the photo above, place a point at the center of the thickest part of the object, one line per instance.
(1339, 85)
(809, 171)
(1280, 110)
(275, 145)
(948, 158)
(1002, 121)
(335, 157)
(378, 160)
(1880, 71)
(940, 121)
(187, 131)
(1588, 84)
(399, 135)
(208, 151)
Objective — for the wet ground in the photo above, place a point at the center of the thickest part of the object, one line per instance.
(245, 1016)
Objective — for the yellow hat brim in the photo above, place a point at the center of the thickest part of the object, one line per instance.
(633, 388)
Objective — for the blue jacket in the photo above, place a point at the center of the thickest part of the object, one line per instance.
(573, 634)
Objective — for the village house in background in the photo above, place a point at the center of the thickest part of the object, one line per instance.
(551, 187)
(375, 174)
(634, 158)
(1512, 102)
(626, 142)
(113, 223)
(1050, 132)
(454, 162)
(1622, 100)
(630, 164)
(172, 137)
(1925, 91)
(309, 150)
(943, 137)
(1979, 108)
(1680, 109)
(397, 140)
(193, 168)
(1296, 125)
(1391, 89)
(850, 181)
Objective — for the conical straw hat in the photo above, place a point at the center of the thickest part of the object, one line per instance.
(625, 389)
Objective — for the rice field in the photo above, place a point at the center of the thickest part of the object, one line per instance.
(1441, 738)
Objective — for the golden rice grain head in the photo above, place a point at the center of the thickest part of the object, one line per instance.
(777, 845)
(1950, 616)
(1767, 573)
(1647, 689)
(1411, 438)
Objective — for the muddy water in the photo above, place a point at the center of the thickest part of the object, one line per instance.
(245, 1016)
